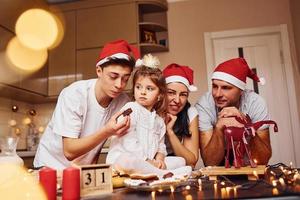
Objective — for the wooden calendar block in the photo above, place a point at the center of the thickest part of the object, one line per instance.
(95, 180)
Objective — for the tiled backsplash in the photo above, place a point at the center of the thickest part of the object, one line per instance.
(44, 113)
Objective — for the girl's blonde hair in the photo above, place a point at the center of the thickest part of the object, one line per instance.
(156, 76)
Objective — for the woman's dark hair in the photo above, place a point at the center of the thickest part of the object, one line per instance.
(181, 126)
(117, 61)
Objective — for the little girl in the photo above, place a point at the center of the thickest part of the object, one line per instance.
(142, 148)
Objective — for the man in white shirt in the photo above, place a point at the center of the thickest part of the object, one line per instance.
(86, 111)
(230, 99)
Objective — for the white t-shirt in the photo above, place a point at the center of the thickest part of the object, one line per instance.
(77, 114)
(192, 113)
(251, 104)
(145, 136)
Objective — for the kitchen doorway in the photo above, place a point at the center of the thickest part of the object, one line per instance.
(267, 51)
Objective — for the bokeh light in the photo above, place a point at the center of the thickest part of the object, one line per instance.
(25, 58)
(61, 31)
(37, 29)
(17, 183)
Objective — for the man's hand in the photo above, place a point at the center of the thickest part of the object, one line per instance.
(120, 128)
(226, 117)
(231, 112)
(226, 122)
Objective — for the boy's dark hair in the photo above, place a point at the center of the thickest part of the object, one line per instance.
(119, 61)
(181, 126)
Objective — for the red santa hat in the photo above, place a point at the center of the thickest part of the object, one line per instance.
(181, 74)
(117, 49)
(235, 72)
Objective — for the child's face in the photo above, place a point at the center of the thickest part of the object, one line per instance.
(146, 93)
(113, 79)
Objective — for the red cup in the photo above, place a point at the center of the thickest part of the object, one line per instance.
(47, 178)
(71, 184)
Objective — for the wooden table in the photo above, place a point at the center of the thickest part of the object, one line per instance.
(255, 189)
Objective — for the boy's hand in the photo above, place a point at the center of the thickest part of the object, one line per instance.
(113, 127)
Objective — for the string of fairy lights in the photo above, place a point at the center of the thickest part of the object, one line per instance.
(280, 178)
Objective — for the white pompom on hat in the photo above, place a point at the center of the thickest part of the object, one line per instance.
(235, 72)
(118, 49)
(149, 61)
(181, 74)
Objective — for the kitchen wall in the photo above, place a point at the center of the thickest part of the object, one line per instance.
(6, 114)
(189, 19)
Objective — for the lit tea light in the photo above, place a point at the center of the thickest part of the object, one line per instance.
(275, 191)
(235, 192)
(255, 174)
(223, 193)
(274, 183)
(255, 161)
(160, 190)
(172, 188)
(281, 181)
(200, 184)
(222, 183)
(153, 195)
(188, 197)
(215, 190)
(215, 185)
(273, 173)
(187, 187)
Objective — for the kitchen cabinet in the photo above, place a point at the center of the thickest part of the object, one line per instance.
(153, 21)
(62, 59)
(13, 80)
(15, 83)
(88, 26)
(8, 74)
(97, 26)
(86, 63)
